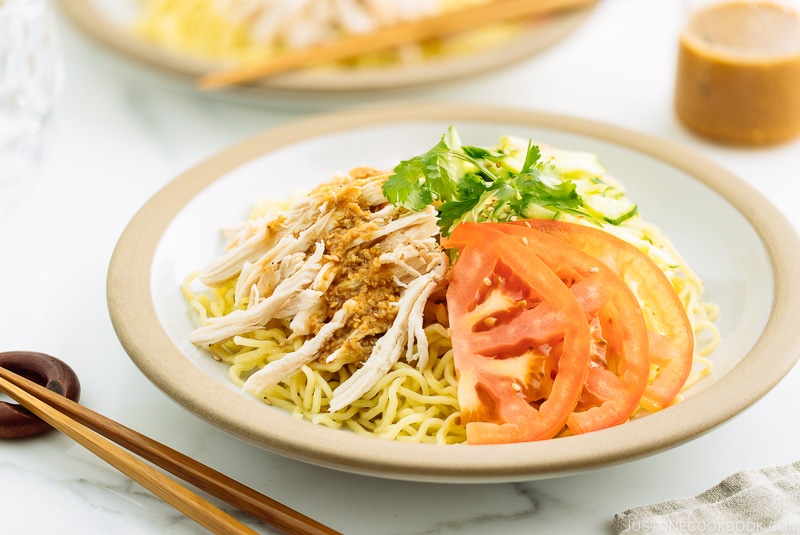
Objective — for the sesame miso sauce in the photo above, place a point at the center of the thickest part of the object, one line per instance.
(738, 76)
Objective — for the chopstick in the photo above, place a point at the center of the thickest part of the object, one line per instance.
(436, 26)
(86, 427)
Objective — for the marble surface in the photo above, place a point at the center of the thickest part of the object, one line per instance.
(120, 133)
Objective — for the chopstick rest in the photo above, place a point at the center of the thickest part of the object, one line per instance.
(54, 374)
(89, 428)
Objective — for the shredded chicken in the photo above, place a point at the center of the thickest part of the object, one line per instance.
(345, 272)
(290, 363)
(300, 23)
(406, 328)
(297, 274)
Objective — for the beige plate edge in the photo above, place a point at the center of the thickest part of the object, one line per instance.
(133, 316)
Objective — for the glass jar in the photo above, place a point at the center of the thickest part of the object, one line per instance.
(738, 72)
(31, 73)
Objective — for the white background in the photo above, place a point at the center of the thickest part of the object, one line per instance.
(120, 133)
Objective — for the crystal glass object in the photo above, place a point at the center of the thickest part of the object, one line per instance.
(31, 74)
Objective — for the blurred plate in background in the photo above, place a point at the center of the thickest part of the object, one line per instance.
(110, 21)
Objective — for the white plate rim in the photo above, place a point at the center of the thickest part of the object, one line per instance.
(134, 319)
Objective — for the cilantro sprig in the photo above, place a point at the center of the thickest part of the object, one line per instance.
(468, 183)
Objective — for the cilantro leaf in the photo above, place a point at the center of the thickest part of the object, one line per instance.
(405, 186)
(419, 181)
(469, 183)
(532, 156)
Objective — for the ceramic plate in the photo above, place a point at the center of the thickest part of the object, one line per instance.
(744, 250)
(108, 21)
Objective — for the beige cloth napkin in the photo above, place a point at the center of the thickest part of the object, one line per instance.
(751, 501)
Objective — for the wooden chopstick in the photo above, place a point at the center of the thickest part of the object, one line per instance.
(84, 426)
(436, 26)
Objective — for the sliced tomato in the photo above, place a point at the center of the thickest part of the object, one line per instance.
(520, 339)
(670, 333)
(620, 361)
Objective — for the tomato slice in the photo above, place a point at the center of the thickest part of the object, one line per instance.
(670, 333)
(620, 361)
(520, 339)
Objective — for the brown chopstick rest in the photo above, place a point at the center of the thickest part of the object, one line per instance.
(50, 372)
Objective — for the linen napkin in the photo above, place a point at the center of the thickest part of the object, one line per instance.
(750, 501)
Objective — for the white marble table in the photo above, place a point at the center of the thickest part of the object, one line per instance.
(119, 134)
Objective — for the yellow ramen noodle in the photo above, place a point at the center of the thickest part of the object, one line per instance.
(407, 404)
(410, 403)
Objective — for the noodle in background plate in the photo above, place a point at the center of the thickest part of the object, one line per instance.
(237, 31)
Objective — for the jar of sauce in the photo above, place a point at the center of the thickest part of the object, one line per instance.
(738, 72)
